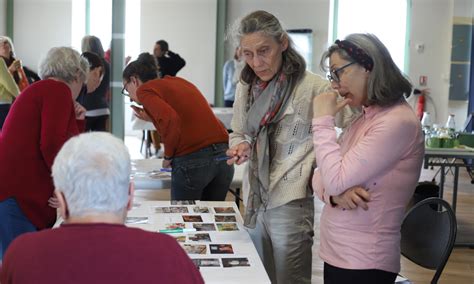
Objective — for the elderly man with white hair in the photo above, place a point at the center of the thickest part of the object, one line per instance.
(92, 179)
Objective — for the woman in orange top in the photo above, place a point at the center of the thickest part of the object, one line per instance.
(194, 139)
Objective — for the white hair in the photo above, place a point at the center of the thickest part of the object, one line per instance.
(64, 63)
(92, 170)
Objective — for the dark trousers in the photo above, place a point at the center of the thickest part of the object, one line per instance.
(96, 123)
(228, 103)
(336, 275)
(4, 109)
(201, 175)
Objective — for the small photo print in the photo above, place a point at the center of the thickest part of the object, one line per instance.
(171, 226)
(200, 209)
(206, 262)
(221, 248)
(136, 205)
(235, 262)
(180, 239)
(199, 237)
(183, 202)
(227, 227)
(204, 226)
(194, 249)
(136, 220)
(192, 218)
(225, 218)
(223, 210)
(171, 209)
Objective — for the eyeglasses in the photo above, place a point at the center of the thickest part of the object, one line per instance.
(333, 75)
(124, 90)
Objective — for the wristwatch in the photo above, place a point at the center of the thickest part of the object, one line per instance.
(168, 158)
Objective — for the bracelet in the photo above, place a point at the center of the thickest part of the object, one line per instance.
(168, 158)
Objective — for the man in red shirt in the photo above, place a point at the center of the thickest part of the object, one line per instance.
(92, 179)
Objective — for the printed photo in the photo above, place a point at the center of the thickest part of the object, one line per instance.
(183, 202)
(221, 248)
(225, 218)
(206, 262)
(199, 209)
(171, 226)
(227, 227)
(204, 226)
(180, 239)
(171, 209)
(234, 262)
(194, 249)
(136, 220)
(223, 210)
(199, 237)
(192, 218)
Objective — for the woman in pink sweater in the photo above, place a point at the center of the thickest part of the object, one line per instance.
(367, 177)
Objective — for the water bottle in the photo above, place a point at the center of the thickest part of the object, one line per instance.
(451, 124)
(426, 120)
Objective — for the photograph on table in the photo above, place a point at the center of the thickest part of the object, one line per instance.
(204, 226)
(159, 175)
(206, 262)
(136, 205)
(225, 218)
(200, 209)
(136, 220)
(223, 210)
(221, 249)
(183, 202)
(171, 226)
(182, 209)
(180, 239)
(227, 227)
(192, 218)
(235, 262)
(194, 249)
(199, 237)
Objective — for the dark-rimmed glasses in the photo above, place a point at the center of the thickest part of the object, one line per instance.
(124, 90)
(333, 75)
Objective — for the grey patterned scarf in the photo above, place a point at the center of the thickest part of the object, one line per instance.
(266, 105)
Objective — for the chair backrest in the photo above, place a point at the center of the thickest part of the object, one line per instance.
(428, 233)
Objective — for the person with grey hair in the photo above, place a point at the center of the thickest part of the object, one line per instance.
(367, 177)
(272, 131)
(92, 179)
(40, 121)
(9, 90)
(96, 102)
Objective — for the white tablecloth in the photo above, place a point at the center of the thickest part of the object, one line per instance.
(242, 246)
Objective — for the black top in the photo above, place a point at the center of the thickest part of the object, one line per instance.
(97, 99)
(170, 64)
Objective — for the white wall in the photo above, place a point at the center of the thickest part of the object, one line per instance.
(312, 14)
(39, 25)
(3, 16)
(189, 27)
(432, 26)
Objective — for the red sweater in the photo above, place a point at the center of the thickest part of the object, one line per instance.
(181, 115)
(40, 121)
(97, 253)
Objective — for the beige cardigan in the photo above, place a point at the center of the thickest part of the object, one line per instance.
(291, 147)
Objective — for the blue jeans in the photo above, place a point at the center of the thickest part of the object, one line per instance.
(283, 237)
(201, 175)
(12, 223)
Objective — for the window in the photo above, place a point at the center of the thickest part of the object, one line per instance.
(303, 40)
(386, 19)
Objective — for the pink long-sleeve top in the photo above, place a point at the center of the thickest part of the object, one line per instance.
(382, 151)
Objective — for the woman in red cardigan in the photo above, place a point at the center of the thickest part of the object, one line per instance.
(40, 121)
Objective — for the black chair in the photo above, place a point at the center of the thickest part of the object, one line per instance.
(428, 234)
